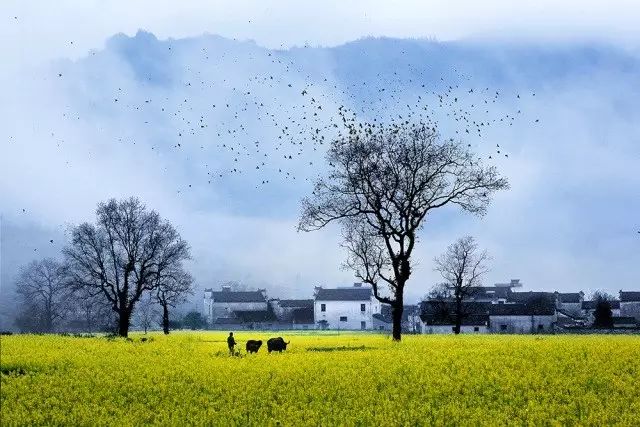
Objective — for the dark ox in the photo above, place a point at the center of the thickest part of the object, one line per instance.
(276, 344)
(253, 346)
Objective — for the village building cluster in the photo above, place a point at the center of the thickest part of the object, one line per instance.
(500, 308)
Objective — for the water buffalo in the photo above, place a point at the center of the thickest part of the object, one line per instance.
(253, 346)
(276, 344)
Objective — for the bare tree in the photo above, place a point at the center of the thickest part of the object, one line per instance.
(125, 254)
(146, 313)
(462, 268)
(42, 286)
(382, 184)
(90, 311)
(171, 291)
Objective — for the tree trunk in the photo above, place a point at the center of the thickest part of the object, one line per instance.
(396, 313)
(165, 319)
(124, 319)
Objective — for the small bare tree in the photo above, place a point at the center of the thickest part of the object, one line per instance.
(173, 290)
(462, 267)
(146, 313)
(125, 254)
(382, 184)
(90, 311)
(42, 287)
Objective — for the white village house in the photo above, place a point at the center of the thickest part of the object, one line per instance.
(350, 308)
(228, 304)
(630, 304)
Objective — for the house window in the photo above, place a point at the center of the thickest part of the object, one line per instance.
(503, 327)
(476, 329)
(363, 325)
(541, 327)
(381, 327)
(323, 307)
(343, 318)
(363, 307)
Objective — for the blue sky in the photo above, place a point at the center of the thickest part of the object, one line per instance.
(569, 222)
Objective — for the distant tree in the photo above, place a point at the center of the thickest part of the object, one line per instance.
(462, 267)
(42, 287)
(175, 324)
(603, 315)
(194, 320)
(125, 254)
(171, 291)
(383, 181)
(146, 313)
(89, 311)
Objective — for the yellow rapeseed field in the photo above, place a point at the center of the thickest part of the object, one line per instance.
(322, 379)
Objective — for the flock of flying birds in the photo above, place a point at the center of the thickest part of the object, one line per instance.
(245, 112)
(281, 116)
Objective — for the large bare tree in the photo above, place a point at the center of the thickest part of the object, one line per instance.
(42, 286)
(171, 291)
(383, 182)
(126, 253)
(462, 266)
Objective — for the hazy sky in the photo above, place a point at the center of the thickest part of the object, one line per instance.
(569, 222)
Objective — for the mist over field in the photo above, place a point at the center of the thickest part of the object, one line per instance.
(156, 117)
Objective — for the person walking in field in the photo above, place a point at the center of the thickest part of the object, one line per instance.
(231, 342)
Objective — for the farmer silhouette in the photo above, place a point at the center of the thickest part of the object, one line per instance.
(231, 342)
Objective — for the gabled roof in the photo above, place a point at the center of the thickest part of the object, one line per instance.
(567, 315)
(296, 303)
(302, 315)
(246, 316)
(226, 321)
(591, 305)
(489, 292)
(382, 317)
(519, 309)
(624, 320)
(471, 320)
(238, 296)
(569, 297)
(528, 296)
(629, 296)
(346, 294)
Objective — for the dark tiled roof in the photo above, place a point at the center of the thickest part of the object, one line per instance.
(591, 305)
(381, 317)
(629, 296)
(471, 320)
(302, 315)
(528, 296)
(623, 320)
(489, 292)
(385, 312)
(294, 303)
(227, 321)
(347, 294)
(569, 298)
(569, 315)
(254, 316)
(519, 309)
(240, 296)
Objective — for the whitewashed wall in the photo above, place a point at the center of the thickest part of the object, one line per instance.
(349, 309)
(214, 310)
(521, 324)
(631, 309)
